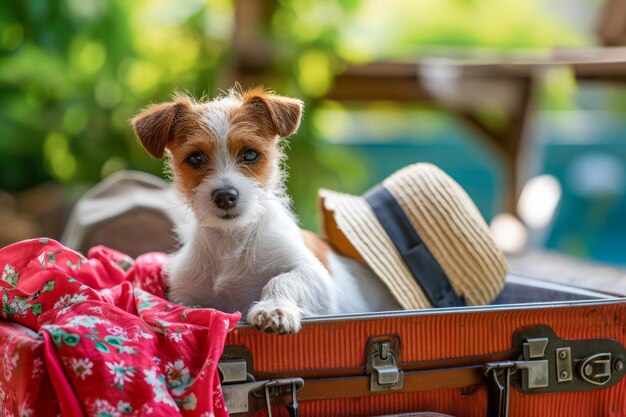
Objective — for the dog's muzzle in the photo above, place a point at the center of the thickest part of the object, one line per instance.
(225, 198)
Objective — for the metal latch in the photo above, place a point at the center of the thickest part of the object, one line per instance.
(534, 371)
(548, 363)
(596, 369)
(534, 368)
(232, 370)
(238, 385)
(382, 363)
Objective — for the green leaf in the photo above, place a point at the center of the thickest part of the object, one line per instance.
(124, 407)
(8, 309)
(71, 339)
(13, 279)
(190, 402)
(52, 256)
(48, 286)
(57, 335)
(126, 349)
(57, 341)
(75, 266)
(10, 275)
(36, 309)
(102, 347)
(145, 304)
(113, 340)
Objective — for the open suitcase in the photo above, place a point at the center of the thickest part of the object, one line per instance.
(537, 350)
(532, 356)
(541, 349)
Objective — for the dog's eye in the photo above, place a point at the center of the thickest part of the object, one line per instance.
(250, 155)
(196, 159)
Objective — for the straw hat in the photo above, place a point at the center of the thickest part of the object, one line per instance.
(422, 235)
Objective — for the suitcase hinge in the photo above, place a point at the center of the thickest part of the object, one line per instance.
(382, 363)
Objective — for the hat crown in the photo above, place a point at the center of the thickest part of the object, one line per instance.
(447, 221)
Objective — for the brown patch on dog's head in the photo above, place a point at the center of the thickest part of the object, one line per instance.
(175, 127)
(244, 139)
(197, 140)
(275, 115)
(157, 125)
(222, 131)
(262, 118)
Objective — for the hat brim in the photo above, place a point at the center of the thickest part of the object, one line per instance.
(352, 227)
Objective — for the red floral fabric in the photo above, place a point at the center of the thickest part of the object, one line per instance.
(95, 337)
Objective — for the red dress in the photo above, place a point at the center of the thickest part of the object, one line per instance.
(103, 341)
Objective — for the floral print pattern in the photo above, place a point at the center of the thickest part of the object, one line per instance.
(103, 408)
(9, 362)
(22, 386)
(82, 367)
(178, 377)
(123, 349)
(121, 373)
(65, 302)
(157, 382)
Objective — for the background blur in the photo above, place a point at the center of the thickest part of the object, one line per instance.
(72, 72)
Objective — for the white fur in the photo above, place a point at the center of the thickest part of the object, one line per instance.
(216, 115)
(360, 289)
(249, 206)
(230, 269)
(258, 262)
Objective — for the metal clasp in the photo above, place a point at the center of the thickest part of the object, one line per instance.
(238, 385)
(596, 369)
(534, 370)
(382, 363)
(294, 384)
(499, 382)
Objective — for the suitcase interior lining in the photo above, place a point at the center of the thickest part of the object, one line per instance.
(520, 289)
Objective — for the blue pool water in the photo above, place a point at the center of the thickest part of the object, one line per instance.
(585, 151)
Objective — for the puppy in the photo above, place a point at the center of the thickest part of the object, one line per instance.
(242, 249)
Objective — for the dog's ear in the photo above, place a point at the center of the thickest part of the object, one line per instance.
(154, 126)
(278, 115)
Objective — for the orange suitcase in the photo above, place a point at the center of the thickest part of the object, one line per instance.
(535, 359)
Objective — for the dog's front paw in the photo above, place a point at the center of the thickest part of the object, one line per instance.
(272, 316)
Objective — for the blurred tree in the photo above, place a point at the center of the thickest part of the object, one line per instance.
(72, 72)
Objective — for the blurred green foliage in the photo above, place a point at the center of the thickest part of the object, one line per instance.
(72, 72)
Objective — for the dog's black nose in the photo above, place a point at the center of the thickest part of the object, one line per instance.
(225, 198)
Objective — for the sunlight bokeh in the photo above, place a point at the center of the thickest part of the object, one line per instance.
(73, 72)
